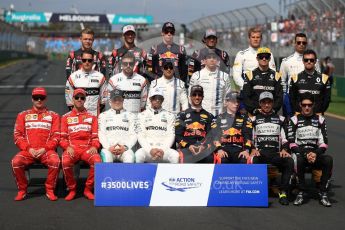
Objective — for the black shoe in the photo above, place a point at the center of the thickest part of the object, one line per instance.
(299, 199)
(324, 199)
(283, 200)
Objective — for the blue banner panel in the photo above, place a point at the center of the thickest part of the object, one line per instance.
(239, 185)
(39, 17)
(132, 19)
(124, 184)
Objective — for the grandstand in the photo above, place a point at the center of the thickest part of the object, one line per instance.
(322, 19)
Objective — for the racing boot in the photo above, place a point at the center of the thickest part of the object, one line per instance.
(299, 199)
(324, 199)
(71, 195)
(89, 194)
(20, 195)
(50, 195)
(283, 199)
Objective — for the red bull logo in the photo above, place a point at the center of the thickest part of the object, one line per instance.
(195, 126)
(232, 132)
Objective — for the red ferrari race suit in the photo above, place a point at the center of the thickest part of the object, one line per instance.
(36, 129)
(79, 130)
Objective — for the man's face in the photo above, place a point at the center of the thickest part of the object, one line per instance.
(307, 107)
(156, 102)
(255, 39)
(196, 98)
(309, 61)
(127, 66)
(87, 62)
(86, 41)
(232, 105)
(300, 44)
(211, 61)
(116, 103)
(266, 105)
(263, 59)
(39, 101)
(79, 101)
(211, 41)
(168, 71)
(129, 37)
(168, 35)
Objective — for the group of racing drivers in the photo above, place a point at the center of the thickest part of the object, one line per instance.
(164, 107)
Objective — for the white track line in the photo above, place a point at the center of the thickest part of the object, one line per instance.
(30, 86)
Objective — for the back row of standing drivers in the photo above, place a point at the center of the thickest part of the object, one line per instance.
(150, 65)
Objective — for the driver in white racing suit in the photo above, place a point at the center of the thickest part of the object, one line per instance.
(156, 132)
(115, 124)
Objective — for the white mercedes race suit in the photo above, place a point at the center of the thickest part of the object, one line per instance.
(292, 65)
(175, 95)
(93, 83)
(135, 90)
(215, 84)
(117, 128)
(246, 60)
(156, 129)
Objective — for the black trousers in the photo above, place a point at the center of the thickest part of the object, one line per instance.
(285, 164)
(323, 162)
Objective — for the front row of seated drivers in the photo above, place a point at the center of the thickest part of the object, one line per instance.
(231, 137)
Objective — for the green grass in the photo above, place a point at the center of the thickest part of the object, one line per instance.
(337, 106)
(7, 62)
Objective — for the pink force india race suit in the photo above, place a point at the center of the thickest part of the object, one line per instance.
(156, 129)
(135, 90)
(117, 128)
(95, 86)
(80, 131)
(36, 129)
(245, 60)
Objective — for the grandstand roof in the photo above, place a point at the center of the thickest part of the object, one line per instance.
(248, 16)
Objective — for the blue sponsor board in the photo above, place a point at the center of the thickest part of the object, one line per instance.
(124, 184)
(132, 19)
(181, 185)
(38, 17)
(239, 185)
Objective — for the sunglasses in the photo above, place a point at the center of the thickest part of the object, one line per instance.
(264, 56)
(79, 97)
(197, 95)
(307, 105)
(169, 32)
(312, 60)
(87, 60)
(168, 67)
(301, 43)
(125, 63)
(38, 98)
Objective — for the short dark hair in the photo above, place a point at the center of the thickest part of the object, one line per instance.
(306, 96)
(129, 55)
(300, 35)
(87, 31)
(86, 52)
(306, 52)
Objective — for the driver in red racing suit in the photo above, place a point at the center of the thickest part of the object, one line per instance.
(79, 139)
(37, 134)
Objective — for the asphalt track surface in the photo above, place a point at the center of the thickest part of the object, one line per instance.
(36, 212)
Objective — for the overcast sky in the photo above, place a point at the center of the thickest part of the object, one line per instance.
(182, 11)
